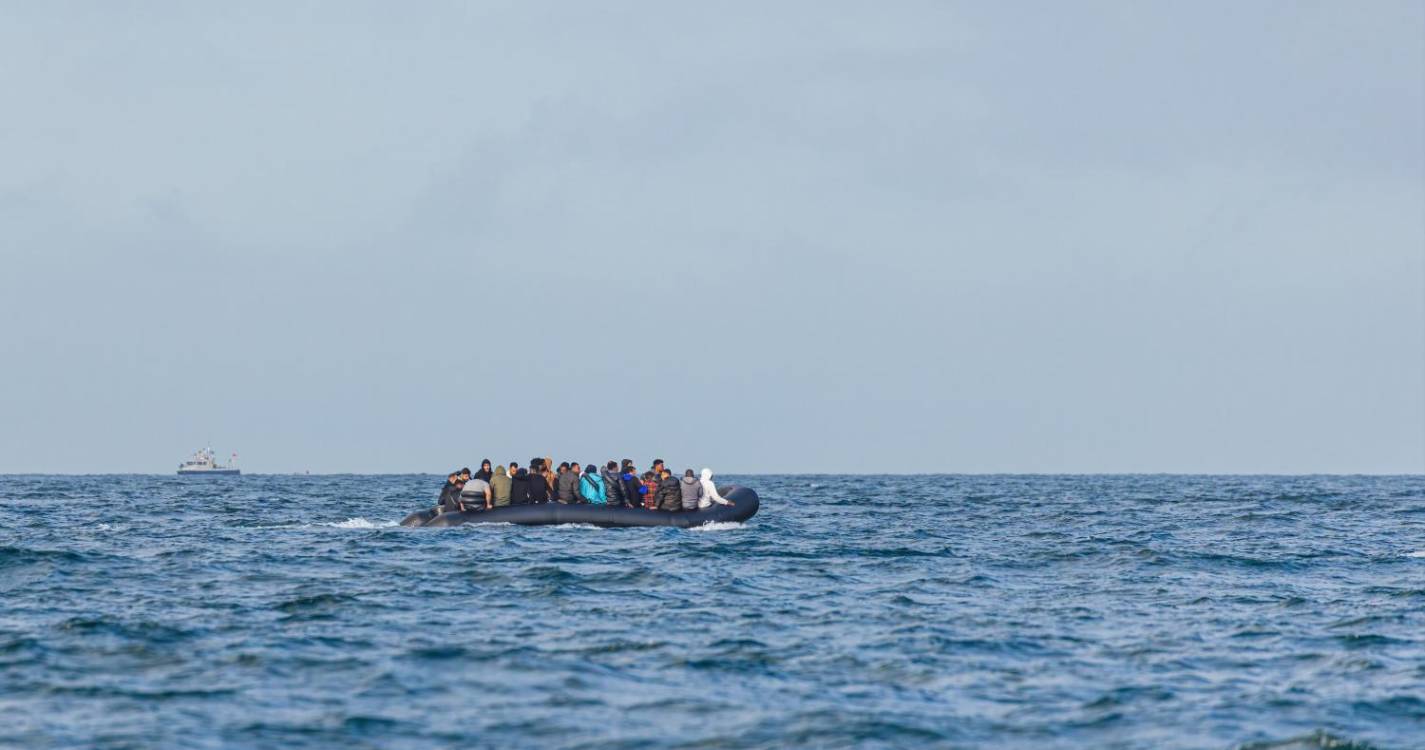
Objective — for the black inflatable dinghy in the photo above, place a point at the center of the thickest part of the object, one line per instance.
(545, 514)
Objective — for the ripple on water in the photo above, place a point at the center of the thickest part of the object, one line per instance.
(1318, 740)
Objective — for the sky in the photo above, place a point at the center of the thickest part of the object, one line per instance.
(762, 237)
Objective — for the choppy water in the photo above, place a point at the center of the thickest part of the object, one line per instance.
(1036, 612)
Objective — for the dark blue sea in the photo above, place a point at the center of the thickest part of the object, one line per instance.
(879, 612)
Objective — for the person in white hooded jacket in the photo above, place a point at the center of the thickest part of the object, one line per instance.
(710, 495)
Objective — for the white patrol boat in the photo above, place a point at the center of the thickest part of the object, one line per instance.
(205, 462)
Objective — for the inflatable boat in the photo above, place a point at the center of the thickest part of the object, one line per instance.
(544, 514)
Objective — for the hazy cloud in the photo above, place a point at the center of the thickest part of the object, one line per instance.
(806, 236)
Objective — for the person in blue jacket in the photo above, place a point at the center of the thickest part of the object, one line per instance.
(633, 489)
(591, 486)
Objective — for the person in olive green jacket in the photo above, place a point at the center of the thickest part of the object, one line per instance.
(500, 486)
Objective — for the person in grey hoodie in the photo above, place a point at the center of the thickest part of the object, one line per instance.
(566, 485)
(692, 490)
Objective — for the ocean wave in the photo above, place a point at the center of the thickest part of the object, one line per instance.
(1317, 740)
(358, 523)
(310, 602)
(719, 526)
(15, 556)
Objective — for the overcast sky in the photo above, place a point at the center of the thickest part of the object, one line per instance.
(812, 237)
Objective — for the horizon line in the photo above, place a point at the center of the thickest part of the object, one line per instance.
(783, 474)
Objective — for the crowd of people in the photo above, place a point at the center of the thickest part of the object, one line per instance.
(616, 485)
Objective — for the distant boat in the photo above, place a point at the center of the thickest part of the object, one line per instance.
(205, 462)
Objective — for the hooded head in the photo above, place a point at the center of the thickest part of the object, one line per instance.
(707, 474)
(500, 470)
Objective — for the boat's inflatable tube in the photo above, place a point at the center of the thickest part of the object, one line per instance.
(545, 514)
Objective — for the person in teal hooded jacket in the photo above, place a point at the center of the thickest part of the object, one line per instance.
(591, 486)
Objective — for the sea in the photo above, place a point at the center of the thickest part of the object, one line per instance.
(1249, 612)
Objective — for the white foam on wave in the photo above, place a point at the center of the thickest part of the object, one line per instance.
(1416, 553)
(717, 526)
(359, 523)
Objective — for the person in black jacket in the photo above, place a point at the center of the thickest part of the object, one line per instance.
(450, 494)
(633, 489)
(538, 484)
(613, 484)
(485, 472)
(670, 492)
(519, 488)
